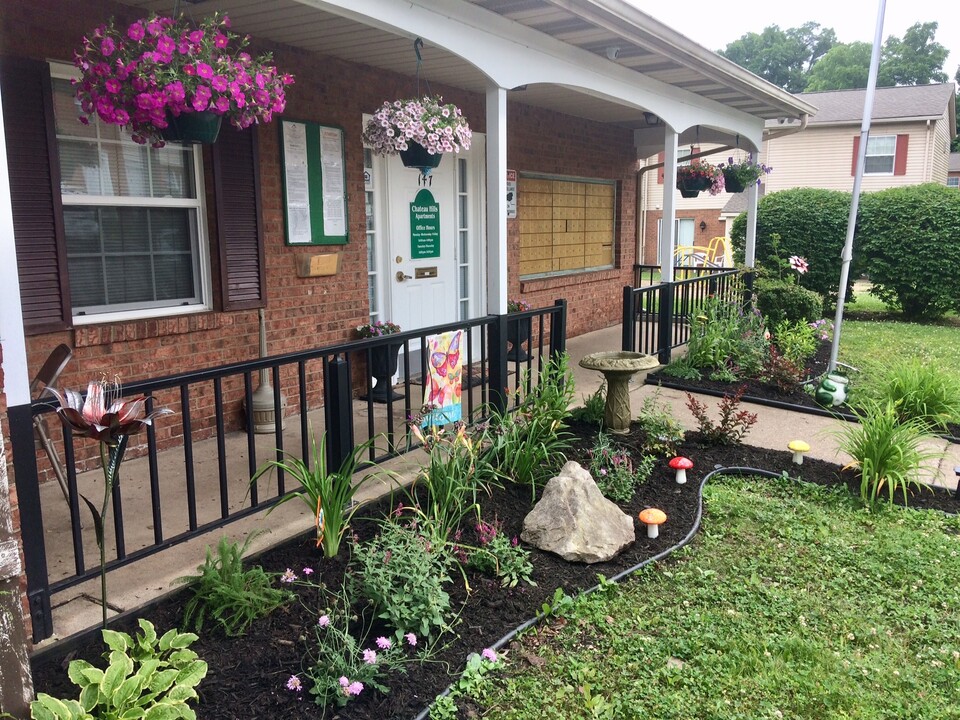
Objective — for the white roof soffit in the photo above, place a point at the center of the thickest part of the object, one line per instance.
(557, 52)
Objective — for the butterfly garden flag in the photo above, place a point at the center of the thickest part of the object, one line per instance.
(443, 387)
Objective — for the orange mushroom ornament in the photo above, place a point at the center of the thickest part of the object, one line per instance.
(653, 518)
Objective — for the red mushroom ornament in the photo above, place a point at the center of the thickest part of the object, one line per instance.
(681, 465)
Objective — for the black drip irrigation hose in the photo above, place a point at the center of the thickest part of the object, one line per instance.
(718, 470)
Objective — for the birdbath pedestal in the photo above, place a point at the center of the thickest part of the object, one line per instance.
(618, 366)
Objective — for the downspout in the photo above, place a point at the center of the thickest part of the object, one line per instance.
(641, 210)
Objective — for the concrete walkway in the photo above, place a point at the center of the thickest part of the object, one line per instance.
(136, 584)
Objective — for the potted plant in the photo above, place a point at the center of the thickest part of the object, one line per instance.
(693, 178)
(165, 77)
(420, 130)
(383, 359)
(738, 176)
(518, 330)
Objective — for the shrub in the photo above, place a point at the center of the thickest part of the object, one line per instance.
(779, 300)
(402, 573)
(911, 238)
(500, 556)
(229, 595)
(734, 422)
(781, 372)
(921, 392)
(147, 677)
(887, 451)
(613, 470)
(797, 341)
(593, 407)
(726, 337)
(811, 223)
(662, 432)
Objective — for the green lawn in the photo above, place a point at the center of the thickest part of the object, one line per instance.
(793, 603)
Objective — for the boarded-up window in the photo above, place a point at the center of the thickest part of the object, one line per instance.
(565, 225)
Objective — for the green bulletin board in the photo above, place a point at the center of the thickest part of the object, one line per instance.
(314, 183)
(424, 226)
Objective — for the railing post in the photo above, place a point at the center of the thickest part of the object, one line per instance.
(497, 342)
(558, 329)
(338, 412)
(31, 519)
(665, 322)
(628, 330)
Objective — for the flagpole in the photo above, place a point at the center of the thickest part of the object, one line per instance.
(847, 254)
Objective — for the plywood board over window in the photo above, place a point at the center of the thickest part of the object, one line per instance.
(566, 225)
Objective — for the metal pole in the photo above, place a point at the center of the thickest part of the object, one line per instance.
(857, 179)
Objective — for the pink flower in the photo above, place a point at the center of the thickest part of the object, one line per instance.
(370, 656)
(135, 32)
(308, 571)
(288, 577)
(383, 643)
(343, 681)
(220, 40)
(799, 264)
(204, 71)
(489, 654)
(323, 621)
(355, 688)
(293, 683)
(166, 45)
(154, 28)
(113, 86)
(107, 47)
(196, 37)
(218, 83)
(411, 639)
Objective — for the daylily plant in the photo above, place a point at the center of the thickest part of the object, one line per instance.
(103, 415)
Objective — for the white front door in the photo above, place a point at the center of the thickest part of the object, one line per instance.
(432, 279)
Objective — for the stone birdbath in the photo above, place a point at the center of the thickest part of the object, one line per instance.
(618, 366)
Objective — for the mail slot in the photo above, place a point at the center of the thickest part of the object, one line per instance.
(425, 272)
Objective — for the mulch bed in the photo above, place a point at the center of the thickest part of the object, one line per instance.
(247, 675)
(764, 393)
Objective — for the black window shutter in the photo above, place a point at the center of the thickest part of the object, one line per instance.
(236, 175)
(34, 171)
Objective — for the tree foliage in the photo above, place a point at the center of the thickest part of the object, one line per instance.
(809, 58)
(784, 57)
(909, 238)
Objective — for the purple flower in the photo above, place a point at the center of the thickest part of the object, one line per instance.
(370, 656)
(135, 32)
(288, 577)
(411, 639)
(294, 684)
(489, 654)
(107, 46)
(383, 643)
(323, 621)
(308, 571)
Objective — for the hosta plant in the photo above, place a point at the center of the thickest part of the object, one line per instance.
(146, 677)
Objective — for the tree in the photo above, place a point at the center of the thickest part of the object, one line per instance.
(844, 67)
(784, 57)
(915, 60)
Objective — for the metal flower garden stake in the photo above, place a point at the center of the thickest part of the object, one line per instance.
(105, 417)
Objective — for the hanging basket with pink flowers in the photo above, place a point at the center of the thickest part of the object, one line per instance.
(168, 79)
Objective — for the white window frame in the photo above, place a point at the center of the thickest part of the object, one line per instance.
(953, 182)
(872, 140)
(202, 262)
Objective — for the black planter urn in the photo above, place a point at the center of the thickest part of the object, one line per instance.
(518, 332)
(383, 366)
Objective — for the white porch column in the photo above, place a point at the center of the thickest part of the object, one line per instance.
(668, 223)
(496, 200)
(750, 249)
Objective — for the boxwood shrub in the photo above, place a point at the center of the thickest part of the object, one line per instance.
(779, 300)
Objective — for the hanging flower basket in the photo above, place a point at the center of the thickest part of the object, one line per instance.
(158, 72)
(417, 156)
(694, 178)
(739, 176)
(401, 126)
(196, 128)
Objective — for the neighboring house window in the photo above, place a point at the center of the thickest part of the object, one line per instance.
(953, 182)
(133, 219)
(886, 155)
(566, 225)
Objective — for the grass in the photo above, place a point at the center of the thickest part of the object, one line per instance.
(794, 603)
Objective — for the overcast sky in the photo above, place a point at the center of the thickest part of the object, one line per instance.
(714, 24)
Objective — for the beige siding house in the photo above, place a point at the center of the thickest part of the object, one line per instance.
(953, 174)
(910, 136)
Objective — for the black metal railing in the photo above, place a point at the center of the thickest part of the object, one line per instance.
(656, 317)
(329, 386)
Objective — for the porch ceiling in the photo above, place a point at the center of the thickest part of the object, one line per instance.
(646, 46)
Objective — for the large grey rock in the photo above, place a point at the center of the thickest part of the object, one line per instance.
(575, 521)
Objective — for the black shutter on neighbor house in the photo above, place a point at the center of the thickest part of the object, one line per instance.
(236, 175)
(34, 170)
